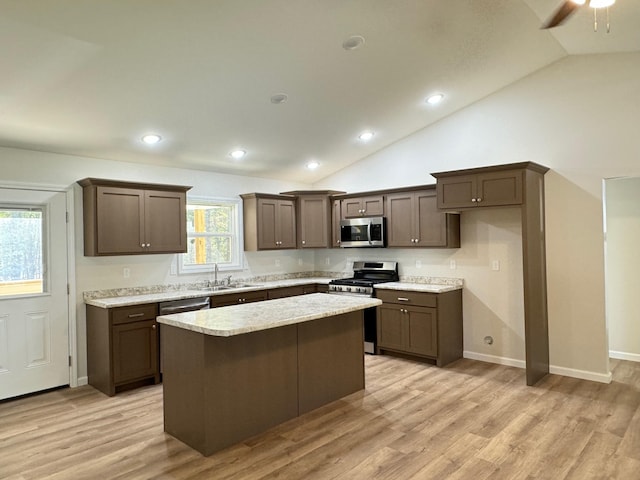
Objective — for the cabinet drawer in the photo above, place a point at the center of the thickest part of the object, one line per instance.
(237, 298)
(421, 299)
(134, 313)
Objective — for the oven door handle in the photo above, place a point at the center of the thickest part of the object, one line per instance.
(369, 232)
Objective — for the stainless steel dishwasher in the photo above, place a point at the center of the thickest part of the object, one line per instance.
(185, 305)
(180, 306)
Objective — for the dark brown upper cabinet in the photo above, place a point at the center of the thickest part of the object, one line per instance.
(314, 217)
(369, 206)
(269, 221)
(487, 189)
(413, 220)
(125, 218)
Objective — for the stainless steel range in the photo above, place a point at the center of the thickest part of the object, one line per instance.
(365, 276)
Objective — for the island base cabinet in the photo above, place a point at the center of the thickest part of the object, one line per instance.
(219, 391)
(330, 360)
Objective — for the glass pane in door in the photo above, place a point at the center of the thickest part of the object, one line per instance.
(21, 250)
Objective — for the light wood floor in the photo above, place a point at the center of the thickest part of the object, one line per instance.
(471, 420)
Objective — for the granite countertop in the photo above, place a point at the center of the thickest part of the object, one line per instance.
(417, 287)
(252, 317)
(128, 300)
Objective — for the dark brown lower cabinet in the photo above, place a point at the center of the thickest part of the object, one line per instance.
(283, 292)
(422, 324)
(122, 347)
(238, 298)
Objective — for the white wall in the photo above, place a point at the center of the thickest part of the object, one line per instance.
(98, 273)
(577, 116)
(622, 213)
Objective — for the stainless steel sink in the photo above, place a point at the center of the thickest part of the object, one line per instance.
(216, 288)
(243, 285)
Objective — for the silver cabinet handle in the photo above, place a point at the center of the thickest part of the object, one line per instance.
(478, 199)
(303, 242)
(153, 326)
(403, 299)
(135, 315)
(473, 200)
(369, 233)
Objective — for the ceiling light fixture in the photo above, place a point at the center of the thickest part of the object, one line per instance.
(596, 4)
(151, 138)
(237, 154)
(279, 98)
(435, 98)
(312, 165)
(366, 135)
(353, 42)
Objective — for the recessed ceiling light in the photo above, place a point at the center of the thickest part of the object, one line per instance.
(279, 98)
(312, 165)
(353, 42)
(237, 154)
(151, 138)
(435, 98)
(366, 136)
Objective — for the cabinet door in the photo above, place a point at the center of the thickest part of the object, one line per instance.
(431, 224)
(400, 220)
(499, 188)
(456, 191)
(165, 221)
(351, 207)
(422, 332)
(336, 215)
(391, 326)
(135, 351)
(120, 220)
(267, 211)
(286, 224)
(314, 221)
(373, 206)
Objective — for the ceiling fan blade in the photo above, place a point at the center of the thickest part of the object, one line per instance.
(566, 9)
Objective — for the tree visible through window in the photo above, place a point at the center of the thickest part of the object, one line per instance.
(212, 235)
(21, 247)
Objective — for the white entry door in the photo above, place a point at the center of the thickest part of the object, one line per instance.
(34, 313)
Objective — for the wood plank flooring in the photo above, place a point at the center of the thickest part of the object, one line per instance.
(470, 420)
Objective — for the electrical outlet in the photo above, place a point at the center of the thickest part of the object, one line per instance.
(495, 265)
(126, 272)
(418, 264)
(299, 261)
(328, 261)
(277, 262)
(173, 270)
(452, 264)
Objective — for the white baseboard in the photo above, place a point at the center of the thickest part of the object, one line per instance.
(566, 372)
(83, 381)
(581, 374)
(483, 357)
(632, 357)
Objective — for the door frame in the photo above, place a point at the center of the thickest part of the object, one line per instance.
(71, 264)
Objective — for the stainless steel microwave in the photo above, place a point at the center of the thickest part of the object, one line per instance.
(362, 232)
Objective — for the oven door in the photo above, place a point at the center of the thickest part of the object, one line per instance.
(362, 232)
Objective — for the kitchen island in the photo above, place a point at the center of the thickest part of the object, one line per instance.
(232, 372)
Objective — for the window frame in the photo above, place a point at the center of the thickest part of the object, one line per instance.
(237, 247)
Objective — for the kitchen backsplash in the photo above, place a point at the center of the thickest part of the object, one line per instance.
(143, 290)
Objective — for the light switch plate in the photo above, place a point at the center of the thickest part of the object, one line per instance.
(452, 264)
(418, 264)
(495, 265)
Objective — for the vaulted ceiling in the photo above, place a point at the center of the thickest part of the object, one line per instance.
(90, 78)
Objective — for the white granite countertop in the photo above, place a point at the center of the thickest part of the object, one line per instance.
(124, 301)
(252, 317)
(417, 287)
